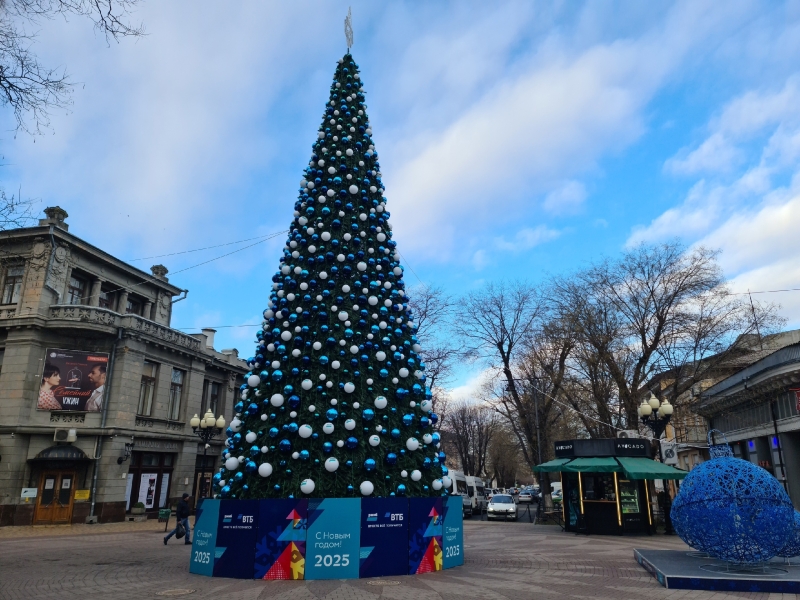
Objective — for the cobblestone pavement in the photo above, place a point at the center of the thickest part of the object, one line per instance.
(504, 561)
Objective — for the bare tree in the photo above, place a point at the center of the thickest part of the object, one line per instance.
(30, 88)
(504, 458)
(470, 428)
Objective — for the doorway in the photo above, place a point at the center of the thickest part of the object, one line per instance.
(55, 498)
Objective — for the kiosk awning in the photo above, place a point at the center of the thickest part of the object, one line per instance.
(644, 468)
(599, 464)
(552, 466)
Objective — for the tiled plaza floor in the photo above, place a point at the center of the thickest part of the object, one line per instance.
(504, 561)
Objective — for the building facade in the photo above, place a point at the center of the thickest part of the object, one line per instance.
(96, 388)
(758, 411)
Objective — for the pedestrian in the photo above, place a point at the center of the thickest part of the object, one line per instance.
(182, 515)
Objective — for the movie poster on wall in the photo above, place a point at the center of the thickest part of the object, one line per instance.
(72, 380)
(147, 489)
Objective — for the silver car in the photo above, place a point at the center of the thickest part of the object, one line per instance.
(503, 507)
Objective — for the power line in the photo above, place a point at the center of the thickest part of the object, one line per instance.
(267, 236)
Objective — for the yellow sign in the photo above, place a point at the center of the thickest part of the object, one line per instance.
(82, 494)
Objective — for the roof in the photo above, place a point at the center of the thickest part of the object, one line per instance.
(634, 467)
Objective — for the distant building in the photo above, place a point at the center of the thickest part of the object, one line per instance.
(96, 388)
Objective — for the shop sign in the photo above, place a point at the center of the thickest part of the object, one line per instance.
(29, 492)
(156, 444)
(564, 449)
(82, 494)
(631, 447)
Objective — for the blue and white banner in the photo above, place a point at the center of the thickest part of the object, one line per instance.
(204, 538)
(453, 534)
(384, 537)
(236, 539)
(333, 538)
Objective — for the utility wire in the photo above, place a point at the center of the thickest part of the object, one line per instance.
(267, 236)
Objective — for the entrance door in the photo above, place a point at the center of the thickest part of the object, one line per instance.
(54, 502)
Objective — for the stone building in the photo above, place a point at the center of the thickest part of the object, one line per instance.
(96, 388)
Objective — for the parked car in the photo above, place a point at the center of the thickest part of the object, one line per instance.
(557, 496)
(525, 496)
(503, 507)
(466, 505)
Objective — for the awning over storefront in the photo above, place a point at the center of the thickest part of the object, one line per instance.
(599, 464)
(552, 466)
(644, 468)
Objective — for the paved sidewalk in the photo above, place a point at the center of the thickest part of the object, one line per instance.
(504, 561)
(151, 525)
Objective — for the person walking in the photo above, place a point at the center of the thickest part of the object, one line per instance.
(182, 515)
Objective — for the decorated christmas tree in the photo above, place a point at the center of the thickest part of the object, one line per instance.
(336, 403)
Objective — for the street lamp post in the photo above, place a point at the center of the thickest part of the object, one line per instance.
(656, 415)
(206, 428)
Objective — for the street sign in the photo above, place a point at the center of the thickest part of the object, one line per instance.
(29, 492)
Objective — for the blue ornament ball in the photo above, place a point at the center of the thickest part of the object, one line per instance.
(734, 511)
(369, 464)
(401, 490)
(285, 446)
(391, 458)
(351, 442)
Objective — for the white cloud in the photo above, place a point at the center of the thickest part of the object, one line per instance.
(480, 260)
(472, 388)
(527, 238)
(567, 199)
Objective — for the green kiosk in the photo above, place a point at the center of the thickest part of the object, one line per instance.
(604, 484)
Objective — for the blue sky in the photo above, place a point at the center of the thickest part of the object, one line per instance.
(516, 139)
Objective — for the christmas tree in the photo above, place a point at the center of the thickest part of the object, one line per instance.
(336, 404)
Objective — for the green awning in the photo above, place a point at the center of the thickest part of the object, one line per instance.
(551, 466)
(598, 464)
(644, 468)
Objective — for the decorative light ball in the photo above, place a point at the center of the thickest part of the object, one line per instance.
(250, 437)
(305, 431)
(374, 440)
(412, 444)
(232, 463)
(349, 424)
(331, 464)
(447, 482)
(328, 428)
(436, 484)
(253, 381)
(366, 488)
(349, 388)
(426, 405)
(403, 473)
(427, 438)
(734, 511)
(381, 402)
(307, 384)
(307, 486)
(403, 372)
(416, 475)
(276, 400)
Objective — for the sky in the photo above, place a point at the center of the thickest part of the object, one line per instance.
(517, 140)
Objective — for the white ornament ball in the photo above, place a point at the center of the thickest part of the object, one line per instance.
(362, 266)
(295, 455)
(381, 402)
(381, 356)
(349, 388)
(447, 482)
(251, 437)
(336, 364)
(350, 424)
(316, 346)
(366, 488)
(325, 236)
(276, 400)
(253, 380)
(412, 444)
(353, 189)
(265, 469)
(372, 301)
(312, 408)
(427, 438)
(305, 431)
(374, 440)
(307, 384)
(403, 372)
(426, 405)
(340, 444)
(286, 336)
(235, 425)
(436, 484)
(343, 316)
(307, 486)
(416, 475)
(356, 405)
(331, 465)
(263, 417)
(403, 473)
(232, 463)
(264, 449)
(328, 428)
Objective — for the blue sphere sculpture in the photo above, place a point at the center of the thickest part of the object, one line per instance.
(792, 548)
(734, 511)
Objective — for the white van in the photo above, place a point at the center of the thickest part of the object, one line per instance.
(459, 486)
(477, 493)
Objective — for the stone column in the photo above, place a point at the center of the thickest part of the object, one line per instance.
(122, 304)
(148, 308)
(94, 298)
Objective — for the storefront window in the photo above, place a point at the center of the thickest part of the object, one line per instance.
(598, 486)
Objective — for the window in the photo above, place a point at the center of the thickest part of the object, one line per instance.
(134, 307)
(147, 388)
(13, 285)
(106, 300)
(175, 392)
(598, 486)
(76, 291)
(210, 397)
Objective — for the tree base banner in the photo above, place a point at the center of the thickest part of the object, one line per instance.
(204, 538)
(453, 535)
(281, 540)
(333, 538)
(236, 538)
(384, 537)
(424, 535)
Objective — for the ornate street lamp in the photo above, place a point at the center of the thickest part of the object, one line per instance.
(656, 415)
(207, 428)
